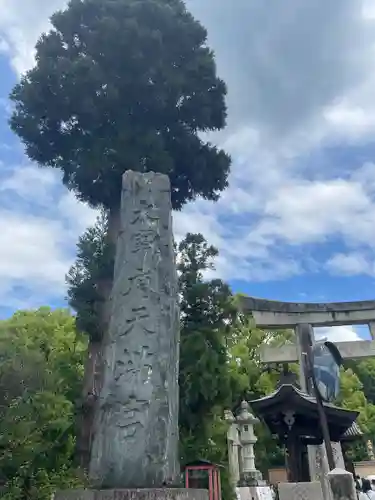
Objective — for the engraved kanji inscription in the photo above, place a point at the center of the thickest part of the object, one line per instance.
(136, 439)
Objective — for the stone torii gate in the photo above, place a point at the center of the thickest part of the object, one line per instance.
(302, 317)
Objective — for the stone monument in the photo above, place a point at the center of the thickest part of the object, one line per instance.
(301, 491)
(135, 446)
(342, 484)
(234, 448)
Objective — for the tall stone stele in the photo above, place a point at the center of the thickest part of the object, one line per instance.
(136, 426)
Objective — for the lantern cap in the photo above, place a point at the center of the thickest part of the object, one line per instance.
(245, 416)
(229, 417)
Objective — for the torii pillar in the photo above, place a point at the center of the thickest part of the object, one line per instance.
(274, 315)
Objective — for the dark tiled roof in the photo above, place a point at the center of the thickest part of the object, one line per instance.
(354, 431)
(303, 395)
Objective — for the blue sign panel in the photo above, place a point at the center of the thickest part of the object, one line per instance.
(326, 371)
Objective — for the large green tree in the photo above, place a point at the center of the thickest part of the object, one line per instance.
(41, 371)
(207, 313)
(353, 397)
(365, 370)
(118, 85)
(85, 280)
(92, 265)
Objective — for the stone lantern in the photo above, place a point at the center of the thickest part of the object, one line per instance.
(370, 450)
(246, 421)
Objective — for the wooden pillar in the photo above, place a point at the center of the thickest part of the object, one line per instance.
(293, 457)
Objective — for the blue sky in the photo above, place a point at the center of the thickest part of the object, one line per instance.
(298, 220)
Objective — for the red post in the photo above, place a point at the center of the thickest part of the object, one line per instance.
(211, 486)
(216, 486)
(219, 484)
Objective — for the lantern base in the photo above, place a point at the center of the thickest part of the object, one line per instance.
(134, 494)
(253, 478)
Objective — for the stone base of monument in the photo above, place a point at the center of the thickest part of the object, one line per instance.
(254, 493)
(298, 491)
(342, 485)
(253, 478)
(134, 494)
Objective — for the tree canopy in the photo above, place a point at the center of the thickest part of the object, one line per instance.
(206, 315)
(119, 85)
(40, 377)
(93, 263)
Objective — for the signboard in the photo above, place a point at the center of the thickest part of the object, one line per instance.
(326, 366)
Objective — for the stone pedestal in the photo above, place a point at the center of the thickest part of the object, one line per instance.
(134, 494)
(254, 493)
(300, 491)
(234, 447)
(342, 485)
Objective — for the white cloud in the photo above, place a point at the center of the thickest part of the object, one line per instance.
(351, 264)
(31, 247)
(337, 333)
(30, 182)
(300, 76)
(260, 225)
(78, 215)
(21, 24)
(285, 65)
(300, 64)
(37, 250)
(311, 211)
(32, 258)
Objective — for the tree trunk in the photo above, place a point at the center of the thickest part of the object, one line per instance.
(85, 421)
(93, 374)
(105, 289)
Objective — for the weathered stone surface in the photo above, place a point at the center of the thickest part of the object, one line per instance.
(134, 494)
(318, 464)
(254, 493)
(74, 495)
(342, 485)
(136, 427)
(300, 491)
(275, 314)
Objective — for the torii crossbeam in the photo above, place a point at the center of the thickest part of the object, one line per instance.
(275, 315)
